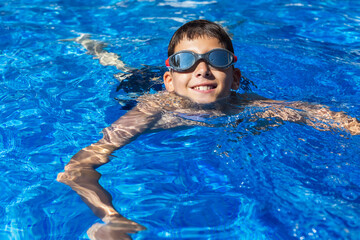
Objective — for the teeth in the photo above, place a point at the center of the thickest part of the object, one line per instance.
(203, 88)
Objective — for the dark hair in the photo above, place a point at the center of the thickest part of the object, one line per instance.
(200, 28)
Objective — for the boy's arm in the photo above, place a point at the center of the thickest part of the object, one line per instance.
(322, 118)
(80, 173)
(318, 116)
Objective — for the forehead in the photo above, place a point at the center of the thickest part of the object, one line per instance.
(201, 44)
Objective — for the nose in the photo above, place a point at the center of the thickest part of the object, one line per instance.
(202, 70)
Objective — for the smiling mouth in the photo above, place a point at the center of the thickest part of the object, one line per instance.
(204, 88)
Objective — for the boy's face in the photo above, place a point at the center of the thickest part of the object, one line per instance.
(202, 83)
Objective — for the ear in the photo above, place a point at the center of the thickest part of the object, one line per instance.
(168, 81)
(236, 79)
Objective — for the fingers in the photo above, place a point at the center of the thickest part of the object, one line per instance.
(62, 177)
(127, 226)
(107, 232)
(91, 231)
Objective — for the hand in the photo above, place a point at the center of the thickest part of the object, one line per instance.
(116, 229)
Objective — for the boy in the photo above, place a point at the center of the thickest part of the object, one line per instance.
(201, 83)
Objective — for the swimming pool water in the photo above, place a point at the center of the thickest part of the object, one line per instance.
(285, 182)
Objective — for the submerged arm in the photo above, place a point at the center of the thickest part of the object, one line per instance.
(322, 118)
(317, 116)
(80, 173)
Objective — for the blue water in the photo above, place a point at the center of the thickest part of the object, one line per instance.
(285, 182)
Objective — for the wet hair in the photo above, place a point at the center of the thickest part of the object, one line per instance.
(200, 28)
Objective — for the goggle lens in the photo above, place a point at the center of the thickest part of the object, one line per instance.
(183, 60)
(220, 59)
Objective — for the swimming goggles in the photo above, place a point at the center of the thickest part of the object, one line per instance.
(183, 60)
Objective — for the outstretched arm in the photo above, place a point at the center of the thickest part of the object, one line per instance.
(81, 176)
(317, 116)
(322, 118)
(96, 48)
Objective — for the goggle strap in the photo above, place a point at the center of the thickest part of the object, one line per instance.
(167, 62)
